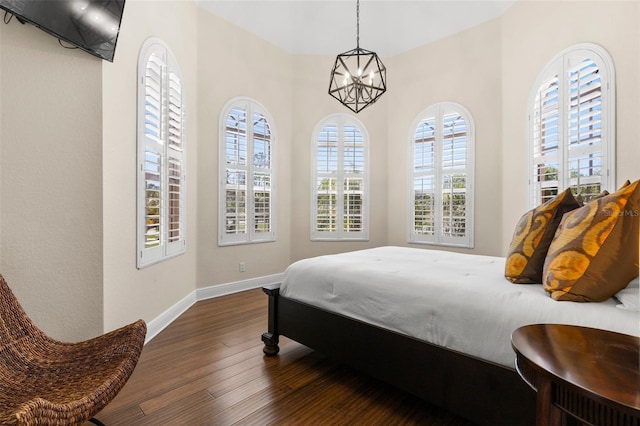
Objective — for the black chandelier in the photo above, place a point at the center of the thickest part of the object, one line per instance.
(358, 77)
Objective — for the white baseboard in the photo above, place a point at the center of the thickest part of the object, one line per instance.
(159, 323)
(234, 287)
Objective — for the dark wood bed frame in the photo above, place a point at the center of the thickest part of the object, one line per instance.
(481, 391)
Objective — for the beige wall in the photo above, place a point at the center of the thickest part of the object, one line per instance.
(233, 63)
(51, 181)
(533, 33)
(464, 68)
(130, 293)
(311, 104)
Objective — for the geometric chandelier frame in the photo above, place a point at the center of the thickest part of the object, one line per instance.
(358, 77)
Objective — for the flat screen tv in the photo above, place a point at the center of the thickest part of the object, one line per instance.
(91, 25)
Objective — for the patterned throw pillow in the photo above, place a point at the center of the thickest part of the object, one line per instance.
(594, 253)
(532, 238)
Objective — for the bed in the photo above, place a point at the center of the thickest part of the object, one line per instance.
(437, 324)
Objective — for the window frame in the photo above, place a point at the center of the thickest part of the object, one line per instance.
(249, 236)
(176, 155)
(559, 66)
(438, 110)
(340, 120)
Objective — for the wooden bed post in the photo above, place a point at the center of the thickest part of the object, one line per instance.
(271, 338)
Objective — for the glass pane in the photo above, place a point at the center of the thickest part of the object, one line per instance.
(262, 202)
(546, 116)
(327, 149)
(236, 137)
(153, 206)
(424, 146)
(454, 141)
(236, 203)
(261, 142)
(353, 204)
(454, 205)
(326, 206)
(174, 202)
(424, 205)
(353, 155)
(585, 105)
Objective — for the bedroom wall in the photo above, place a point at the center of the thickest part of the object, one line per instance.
(233, 63)
(51, 180)
(130, 293)
(464, 68)
(532, 36)
(311, 104)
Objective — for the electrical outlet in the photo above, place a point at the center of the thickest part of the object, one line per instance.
(242, 267)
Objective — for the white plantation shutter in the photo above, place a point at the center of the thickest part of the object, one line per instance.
(424, 178)
(546, 128)
(340, 200)
(441, 178)
(153, 151)
(572, 125)
(326, 181)
(161, 172)
(247, 187)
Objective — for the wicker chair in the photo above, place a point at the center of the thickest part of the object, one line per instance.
(47, 382)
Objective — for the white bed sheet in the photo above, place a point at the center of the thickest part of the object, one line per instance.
(458, 301)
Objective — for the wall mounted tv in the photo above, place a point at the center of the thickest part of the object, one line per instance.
(91, 25)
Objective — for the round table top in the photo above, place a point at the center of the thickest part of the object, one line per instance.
(602, 363)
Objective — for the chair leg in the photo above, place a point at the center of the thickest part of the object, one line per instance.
(96, 421)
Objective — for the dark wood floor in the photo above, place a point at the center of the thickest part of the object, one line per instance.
(207, 368)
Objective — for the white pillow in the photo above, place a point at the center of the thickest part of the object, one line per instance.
(629, 296)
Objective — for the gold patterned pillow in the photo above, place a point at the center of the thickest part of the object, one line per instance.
(532, 237)
(594, 253)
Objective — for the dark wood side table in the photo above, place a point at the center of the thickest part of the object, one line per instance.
(590, 374)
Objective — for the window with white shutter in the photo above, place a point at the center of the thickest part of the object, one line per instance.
(441, 176)
(572, 126)
(161, 155)
(340, 180)
(247, 170)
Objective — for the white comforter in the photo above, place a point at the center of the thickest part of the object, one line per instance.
(459, 301)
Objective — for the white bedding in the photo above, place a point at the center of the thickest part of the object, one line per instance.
(459, 301)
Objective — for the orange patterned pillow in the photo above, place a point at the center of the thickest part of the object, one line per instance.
(594, 253)
(532, 238)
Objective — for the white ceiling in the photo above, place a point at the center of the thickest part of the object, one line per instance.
(328, 27)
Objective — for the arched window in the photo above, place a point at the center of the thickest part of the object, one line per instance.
(340, 180)
(161, 155)
(572, 125)
(441, 176)
(247, 174)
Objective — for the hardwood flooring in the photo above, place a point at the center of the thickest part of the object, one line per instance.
(207, 368)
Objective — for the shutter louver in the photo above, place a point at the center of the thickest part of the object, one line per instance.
(161, 173)
(442, 170)
(153, 152)
(247, 186)
(261, 178)
(424, 169)
(326, 185)
(454, 183)
(546, 137)
(585, 129)
(353, 182)
(572, 126)
(340, 177)
(236, 171)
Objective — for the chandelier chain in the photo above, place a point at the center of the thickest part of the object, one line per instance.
(358, 24)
